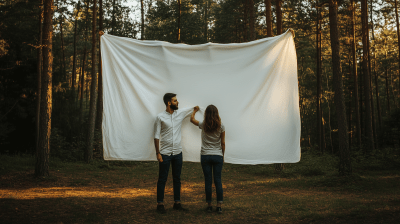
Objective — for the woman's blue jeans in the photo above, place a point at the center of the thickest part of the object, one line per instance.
(212, 164)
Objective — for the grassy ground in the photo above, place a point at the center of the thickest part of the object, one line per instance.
(125, 192)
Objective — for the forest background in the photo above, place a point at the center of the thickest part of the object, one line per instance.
(50, 82)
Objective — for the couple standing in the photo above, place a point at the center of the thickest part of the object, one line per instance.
(167, 140)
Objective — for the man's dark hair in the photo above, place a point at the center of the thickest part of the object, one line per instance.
(168, 97)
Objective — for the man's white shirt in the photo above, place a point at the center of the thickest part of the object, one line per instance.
(168, 127)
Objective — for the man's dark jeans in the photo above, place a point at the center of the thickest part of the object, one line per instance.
(176, 163)
(212, 164)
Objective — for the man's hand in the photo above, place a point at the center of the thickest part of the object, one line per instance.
(159, 158)
(101, 33)
(196, 108)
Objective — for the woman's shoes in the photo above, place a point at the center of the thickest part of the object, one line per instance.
(219, 210)
(209, 209)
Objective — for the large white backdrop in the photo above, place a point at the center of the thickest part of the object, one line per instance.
(254, 86)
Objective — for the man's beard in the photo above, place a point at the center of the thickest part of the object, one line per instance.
(174, 107)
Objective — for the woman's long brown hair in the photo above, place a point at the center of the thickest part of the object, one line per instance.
(212, 121)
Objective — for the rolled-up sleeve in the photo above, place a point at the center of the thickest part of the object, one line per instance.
(157, 128)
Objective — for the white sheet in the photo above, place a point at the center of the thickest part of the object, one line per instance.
(254, 86)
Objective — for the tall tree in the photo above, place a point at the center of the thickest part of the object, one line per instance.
(353, 50)
(62, 44)
(268, 17)
(43, 151)
(99, 116)
(398, 36)
(345, 161)
(93, 90)
(39, 73)
(206, 6)
(279, 166)
(73, 80)
(369, 138)
(178, 34)
(278, 16)
(142, 17)
(378, 104)
(321, 137)
(113, 18)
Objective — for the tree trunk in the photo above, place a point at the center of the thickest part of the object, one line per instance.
(367, 88)
(319, 81)
(376, 87)
(99, 116)
(39, 74)
(345, 161)
(42, 154)
(398, 35)
(82, 81)
(245, 12)
(93, 100)
(268, 16)
(378, 104)
(73, 80)
(113, 19)
(278, 17)
(206, 22)
(387, 87)
(142, 17)
(62, 46)
(372, 92)
(252, 20)
(278, 166)
(178, 35)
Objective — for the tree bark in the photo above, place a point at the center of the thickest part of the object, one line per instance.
(268, 16)
(387, 87)
(278, 166)
(42, 154)
(345, 161)
(39, 74)
(245, 22)
(278, 17)
(206, 22)
(82, 81)
(62, 45)
(372, 89)
(369, 137)
(113, 19)
(99, 116)
(398, 36)
(93, 90)
(378, 104)
(73, 80)
(321, 148)
(142, 17)
(178, 35)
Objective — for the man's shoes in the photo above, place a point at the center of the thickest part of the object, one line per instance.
(209, 209)
(179, 207)
(161, 209)
(219, 210)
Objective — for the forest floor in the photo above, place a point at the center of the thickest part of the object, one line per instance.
(310, 191)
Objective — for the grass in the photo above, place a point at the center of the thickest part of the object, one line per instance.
(125, 192)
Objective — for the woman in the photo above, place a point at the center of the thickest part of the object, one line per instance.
(212, 152)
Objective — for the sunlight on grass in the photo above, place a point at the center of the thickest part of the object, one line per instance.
(65, 192)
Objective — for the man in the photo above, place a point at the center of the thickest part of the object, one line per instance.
(168, 128)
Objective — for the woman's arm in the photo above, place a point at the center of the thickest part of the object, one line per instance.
(192, 119)
(223, 143)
